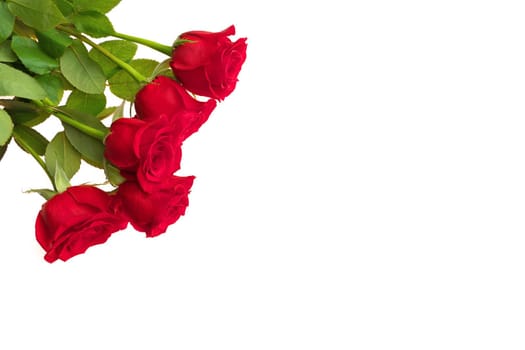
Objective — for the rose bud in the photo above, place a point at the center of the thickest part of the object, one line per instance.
(208, 63)
(149, 152)
(74, 220)
(153, 212)
(165, 96)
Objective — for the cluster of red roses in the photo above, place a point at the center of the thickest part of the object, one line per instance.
(147, 151)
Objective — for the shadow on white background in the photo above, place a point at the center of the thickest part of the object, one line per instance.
(363, 188)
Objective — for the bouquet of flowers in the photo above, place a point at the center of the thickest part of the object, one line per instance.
(51, 67)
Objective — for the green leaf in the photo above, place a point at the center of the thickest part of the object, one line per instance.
(163, 68)
(6, 127)
(31, 137)
(32, 56)
(60, 152)
(17, 83)
(28, 118)
(113, 174)
(102, 6)
(65, 6)
(44, 192)
(65, 83)
(125, 50)
(53, 42)
(23, 30)
(81, 71)
(60, 179)
(39, 14)
(87, 103)
(123, 85)
(106, 112)
(90, 148)
(119, 111)
(7, 22)
(53, 86)
(93, 23)
(6, 54)
(24, 113)
(3, 149)
(19, 104)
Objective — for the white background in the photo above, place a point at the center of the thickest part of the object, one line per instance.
(362, 188)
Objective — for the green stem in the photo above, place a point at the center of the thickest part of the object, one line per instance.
(151, 44)
(86, 129)
(35, 155)
(65, 117)
(128, 68)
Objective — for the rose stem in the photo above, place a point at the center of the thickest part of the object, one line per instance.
(69, 120)
(86, 129)
(35, 155)
(132, 71)
(151, 44)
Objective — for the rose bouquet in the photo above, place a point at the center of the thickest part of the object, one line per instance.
(51, 67)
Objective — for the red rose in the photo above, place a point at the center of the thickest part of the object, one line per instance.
(147, 151)
(74, 220)
(165, 96)
(152, 213)
(208, 65)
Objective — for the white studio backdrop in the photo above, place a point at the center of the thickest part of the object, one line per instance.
(362, 188)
